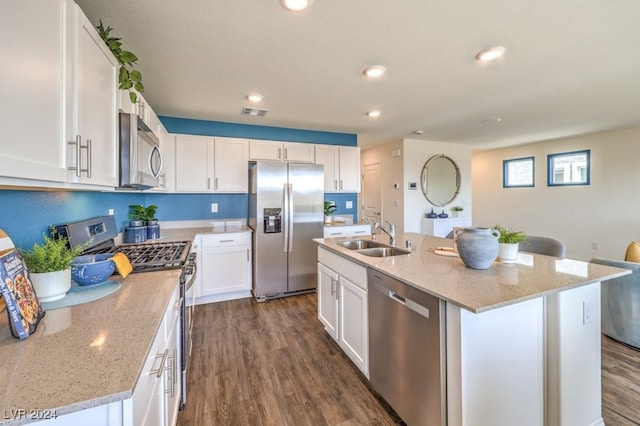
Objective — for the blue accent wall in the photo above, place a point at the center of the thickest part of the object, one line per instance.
(26, 215)
(232, 130)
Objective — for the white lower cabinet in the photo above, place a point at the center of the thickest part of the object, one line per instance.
(224, 267)
(343, 305)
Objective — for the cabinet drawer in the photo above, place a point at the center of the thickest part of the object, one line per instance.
(355, 273)
(172, 314)
(228, 239)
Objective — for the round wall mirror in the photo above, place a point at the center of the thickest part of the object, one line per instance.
(440, 180)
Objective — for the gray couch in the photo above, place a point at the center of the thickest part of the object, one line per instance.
(621, 303)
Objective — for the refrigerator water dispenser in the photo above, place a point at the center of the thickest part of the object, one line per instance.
(272, 220)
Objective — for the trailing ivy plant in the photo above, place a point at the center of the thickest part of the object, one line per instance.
(128, 77)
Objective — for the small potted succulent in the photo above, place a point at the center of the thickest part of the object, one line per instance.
(509, 241)
(329, 209)
(49, 266)
(456, 210)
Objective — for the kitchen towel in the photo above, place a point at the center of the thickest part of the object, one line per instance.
(122, 264)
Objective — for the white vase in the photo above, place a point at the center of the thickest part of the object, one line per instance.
(508, 252)
(50, 286)
(327, 219)
(455, 213)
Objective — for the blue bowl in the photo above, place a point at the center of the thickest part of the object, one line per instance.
(92, 269)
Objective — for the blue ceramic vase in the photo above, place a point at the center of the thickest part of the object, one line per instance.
(477, 247)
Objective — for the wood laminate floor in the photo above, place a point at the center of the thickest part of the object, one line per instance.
(273, 364)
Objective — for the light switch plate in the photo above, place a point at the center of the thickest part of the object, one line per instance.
(349, 204)
(214, 207)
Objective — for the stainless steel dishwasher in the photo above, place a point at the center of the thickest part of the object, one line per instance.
(407, 361)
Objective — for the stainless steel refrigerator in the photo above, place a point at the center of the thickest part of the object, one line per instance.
(286, 211)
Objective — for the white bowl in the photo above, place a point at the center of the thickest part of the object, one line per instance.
(50, 286)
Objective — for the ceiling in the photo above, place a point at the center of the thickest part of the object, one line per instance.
(571, 67)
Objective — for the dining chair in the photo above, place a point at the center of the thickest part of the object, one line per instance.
(543, 245)
(620, 303)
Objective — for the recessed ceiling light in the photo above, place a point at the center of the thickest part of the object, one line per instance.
(254, 97)
(296, 5)
(374, 71)
(374, 114)
(490, 54)
(491, 120)
(418, 132)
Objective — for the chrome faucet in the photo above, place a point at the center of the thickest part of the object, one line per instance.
(374, 227)
(391, 231)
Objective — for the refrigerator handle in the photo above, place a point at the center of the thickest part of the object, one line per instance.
(285, 217)
(290, 218)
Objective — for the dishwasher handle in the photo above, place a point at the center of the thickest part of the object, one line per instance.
(406, 302)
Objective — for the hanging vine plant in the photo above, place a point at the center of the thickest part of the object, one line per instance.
(128, 77)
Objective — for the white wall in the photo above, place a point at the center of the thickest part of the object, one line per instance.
(406, 207)
(391, 167)
(605, 213)
(415, 154)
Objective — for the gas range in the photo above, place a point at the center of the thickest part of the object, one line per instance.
(153, 256)
(100, 232)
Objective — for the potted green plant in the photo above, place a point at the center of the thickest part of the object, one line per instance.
(128, 78)
(509, 241)
(329, 209)
(49, 266)
(455, 211)
(148, 217)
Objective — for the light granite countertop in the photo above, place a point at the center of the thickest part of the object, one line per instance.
(90, 354)
(447, 278)
(85, 355)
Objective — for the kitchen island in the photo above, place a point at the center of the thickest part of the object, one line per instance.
(522, 341)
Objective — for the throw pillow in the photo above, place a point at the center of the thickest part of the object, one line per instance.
(633, 252)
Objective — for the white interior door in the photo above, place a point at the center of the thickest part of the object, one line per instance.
(372, 192)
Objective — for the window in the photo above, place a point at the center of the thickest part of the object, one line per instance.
(518, 172)
(569, 168)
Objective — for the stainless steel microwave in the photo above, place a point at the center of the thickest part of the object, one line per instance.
(140, 156)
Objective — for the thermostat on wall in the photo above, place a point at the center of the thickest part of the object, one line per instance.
(413, 186)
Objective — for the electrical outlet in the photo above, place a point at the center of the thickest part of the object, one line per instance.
(214, 207)
(349, 204)
(111, 212)
(587, 312)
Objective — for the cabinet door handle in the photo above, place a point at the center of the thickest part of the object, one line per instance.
(333, 288)
(171, 374)
(208, 183)
(215, 183)
(248, 255)
(340, 184)
(178, 305)
(335, 184)
(89, 158)
(79, 147)
(286, 157)
(227, 241)
(158, 372)
(279, 153)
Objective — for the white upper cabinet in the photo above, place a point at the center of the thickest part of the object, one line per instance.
(91, 122)
(341, 167)
(31, 83)
(193, 167)
(281, 151)
(206, 164)
(230, 157)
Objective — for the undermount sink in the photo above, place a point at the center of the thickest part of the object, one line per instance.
(359, 244)
(383, 252)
